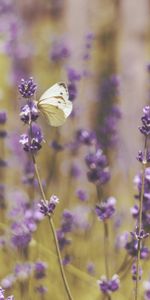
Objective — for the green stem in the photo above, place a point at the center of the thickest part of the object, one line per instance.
(140, 219)
(54, 234)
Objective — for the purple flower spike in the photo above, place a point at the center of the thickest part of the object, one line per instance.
(27, 88)
(145, 129)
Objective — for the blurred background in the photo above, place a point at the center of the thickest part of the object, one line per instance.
(101, 50)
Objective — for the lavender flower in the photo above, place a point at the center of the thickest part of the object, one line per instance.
(40, 269)
(106, 209)
(82, 194)
(73, 77)
(72, 91)
(146, 199)
(27, 88)
(34, 142)
(141, 158)
(8, 281)
(56, 146)
(146, 286)
(98, 171)
(29, 112)
(134, 272)
(2, 295)
(86, 137)
(132, 248)
(63, 241)
(3, 117)
(108, 286)
(47, 207)
(41, 289)
(59, 51)
(145, 129)
(21, 235)
(23, 271)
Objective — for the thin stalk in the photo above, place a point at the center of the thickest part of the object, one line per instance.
(52, 226)
(106, 247)
(140, 219)
(106, 241)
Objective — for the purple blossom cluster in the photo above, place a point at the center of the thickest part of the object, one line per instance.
(27, 88)
(32, 141)
(47, 207)
(106, 209)
(109, 286)
(59, 51)
(98, 172)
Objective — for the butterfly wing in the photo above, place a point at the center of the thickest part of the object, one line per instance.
(54, 116)
(57, 90)
(55, 105)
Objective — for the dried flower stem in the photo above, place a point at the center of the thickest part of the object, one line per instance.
(140, 219)
(52, 226)
(106, 247)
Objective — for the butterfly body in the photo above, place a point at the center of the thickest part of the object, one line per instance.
(55, 104)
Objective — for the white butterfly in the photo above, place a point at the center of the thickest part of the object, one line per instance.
(55, 104)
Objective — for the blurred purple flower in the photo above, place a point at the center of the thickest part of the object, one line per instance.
(72, 91)
(21, 235)
(91, 268)
(134, 272)
(98, 170)
(59, 51)
(41, 289)
(3, 117)
(63, 241)
(73, 75)
(82, 194)
(2, 295)
(8, 281)
(40, 269)
(86, 137)
(56, 146)
(146, 286)
(23, 271)
(106, 209)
